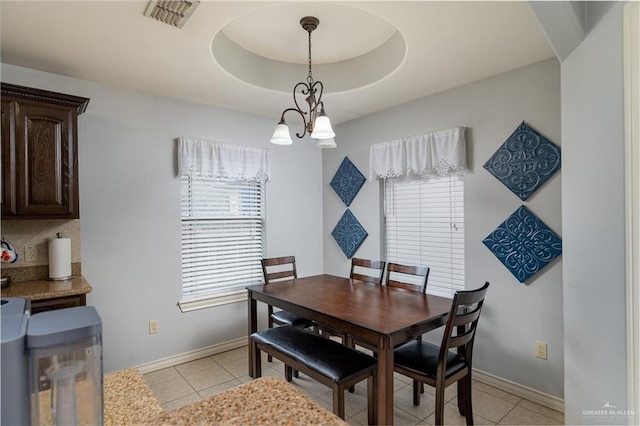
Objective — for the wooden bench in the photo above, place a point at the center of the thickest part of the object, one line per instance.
(329, 362)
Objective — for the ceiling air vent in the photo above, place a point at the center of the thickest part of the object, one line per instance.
(171, 12)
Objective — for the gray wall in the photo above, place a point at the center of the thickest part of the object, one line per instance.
(593, 221)
(130, 213)
(515, 315)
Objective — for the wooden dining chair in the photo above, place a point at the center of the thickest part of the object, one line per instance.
(360, 266)
(374, 271)
(439, 367)
(417, 274)
(279, 269)
(400, 272)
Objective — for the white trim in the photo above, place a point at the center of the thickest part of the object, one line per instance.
(522, 391)
(210, 301)
(191, 355)
(632, 203)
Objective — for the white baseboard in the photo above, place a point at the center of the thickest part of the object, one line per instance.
(191, 356)
(522, 391)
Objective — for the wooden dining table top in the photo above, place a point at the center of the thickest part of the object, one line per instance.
(381, 309)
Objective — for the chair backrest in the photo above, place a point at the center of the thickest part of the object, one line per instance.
(420, 271)
(281, 268)
(462, 322)
(376, 265)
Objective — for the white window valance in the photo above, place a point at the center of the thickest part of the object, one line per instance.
(222, 161)
(435, 153)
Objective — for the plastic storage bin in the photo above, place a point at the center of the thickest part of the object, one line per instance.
(65, 367)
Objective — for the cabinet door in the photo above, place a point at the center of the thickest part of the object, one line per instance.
(8, 153)
(46, 158)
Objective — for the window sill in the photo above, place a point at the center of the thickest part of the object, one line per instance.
(189, 305)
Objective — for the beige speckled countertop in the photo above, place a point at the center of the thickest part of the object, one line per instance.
(128, 400)
(264, 401)
(46, 289)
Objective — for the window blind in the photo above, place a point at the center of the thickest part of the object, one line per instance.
(223, 235)
(424, 225)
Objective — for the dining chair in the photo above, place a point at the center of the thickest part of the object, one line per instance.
(366, 270)
(402, 276)
(419, 274)
(277, 269)
(440, 367)
(360, 266)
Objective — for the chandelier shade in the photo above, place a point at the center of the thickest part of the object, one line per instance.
(326, 143)
(315, 120)
(281, 135)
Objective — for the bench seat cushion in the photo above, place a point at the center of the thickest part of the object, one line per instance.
(329, 358)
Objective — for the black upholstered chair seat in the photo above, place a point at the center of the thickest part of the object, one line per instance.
(423, 357)
(329, 358)
(289, 318)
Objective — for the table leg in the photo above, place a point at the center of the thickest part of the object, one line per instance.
(384, 404)
(252, 321)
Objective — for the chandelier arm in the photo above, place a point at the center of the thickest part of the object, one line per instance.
(304, 120)
(318, 100)
(306, 89)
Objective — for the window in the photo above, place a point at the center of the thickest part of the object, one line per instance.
(424, 225)
(223, 220)
(223, 235)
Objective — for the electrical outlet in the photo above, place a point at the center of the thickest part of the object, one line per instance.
(154, 326)
(30, 254)
(541, 350)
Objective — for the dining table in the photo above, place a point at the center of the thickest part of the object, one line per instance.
(379, 316)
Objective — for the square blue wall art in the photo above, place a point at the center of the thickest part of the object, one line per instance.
(525, 161)
(349, 234)
(524, 244)
(347, 181)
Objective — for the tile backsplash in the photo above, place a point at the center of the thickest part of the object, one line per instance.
(37, 233)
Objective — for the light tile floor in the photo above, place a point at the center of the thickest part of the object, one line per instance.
(190, 382)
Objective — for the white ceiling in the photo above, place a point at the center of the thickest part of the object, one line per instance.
(447, 44)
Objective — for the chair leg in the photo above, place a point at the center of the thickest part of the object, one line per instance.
(462, 396)
(287, 373)
(416, 392)
(270, 324)
(348, 342)
(467, 400)
(439, 404)
(295, 373)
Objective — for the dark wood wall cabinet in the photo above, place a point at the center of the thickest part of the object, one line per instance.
(39, 153)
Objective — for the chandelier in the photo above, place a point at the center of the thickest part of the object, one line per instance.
(315, 121)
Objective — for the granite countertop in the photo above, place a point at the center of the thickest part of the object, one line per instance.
(264, 401)
(128, 400)
(46, 289)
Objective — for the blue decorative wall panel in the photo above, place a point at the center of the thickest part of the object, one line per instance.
(347, 181)
(349, 234)
(525, 161)
(524, 244)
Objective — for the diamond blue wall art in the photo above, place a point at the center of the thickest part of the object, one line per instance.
(525, 161)
(349, 234)
(347, 181)
(524, 244)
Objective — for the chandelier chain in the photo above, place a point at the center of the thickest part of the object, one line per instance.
(309, 75)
